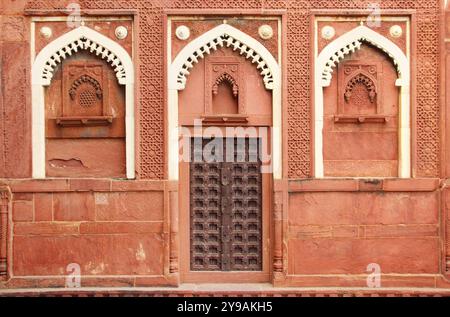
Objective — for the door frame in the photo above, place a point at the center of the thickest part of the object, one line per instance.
(188, 276)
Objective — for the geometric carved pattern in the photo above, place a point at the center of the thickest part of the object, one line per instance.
(87, 98)
(226, 209)
(428, 67)
(97, 89)
(298, 72)
(361, 79)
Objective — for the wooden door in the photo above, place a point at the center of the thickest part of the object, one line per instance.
(226, 206)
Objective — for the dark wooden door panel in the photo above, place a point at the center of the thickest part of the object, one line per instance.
(226, 208)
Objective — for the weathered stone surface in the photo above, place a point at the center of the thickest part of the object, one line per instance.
(132, 206)
(359, 146)
(13, 28)
(74, 206)
(120, 227)
(134, 254)
(16, 115)
(13, 6)
(85, 158)
(43, 207)
(352, 256)
(27, 229)
(363, 208)
(30, 186)
(402, 231)
(90, 184)
(22, 211)
(368, 168)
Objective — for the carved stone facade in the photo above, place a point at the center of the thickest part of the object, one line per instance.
(349, 107)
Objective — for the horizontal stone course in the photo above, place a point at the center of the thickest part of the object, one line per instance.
(365, 184)
(417, 255)
(363, 208)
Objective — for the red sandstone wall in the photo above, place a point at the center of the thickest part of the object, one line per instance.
(118, 231)
(108, 228)
(337, 229)
(15, 114)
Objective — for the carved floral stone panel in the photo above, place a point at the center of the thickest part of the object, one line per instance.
(84, 90)
(360, 88)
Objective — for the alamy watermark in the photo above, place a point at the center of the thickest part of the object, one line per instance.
(374, 278)
(74, 19)
(73, 278)
(374, 18)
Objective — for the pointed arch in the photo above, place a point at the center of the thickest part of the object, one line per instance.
(226, 77)
(43, 68)
(82, 38)
(330, 57)
(350, 42)
(223, 35)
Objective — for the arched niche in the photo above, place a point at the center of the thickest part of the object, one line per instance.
(326, 63)
(80, 39)
(249, 48)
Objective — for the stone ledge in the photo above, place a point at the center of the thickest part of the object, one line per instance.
(236, 291)
(364, 185)
(53, 185)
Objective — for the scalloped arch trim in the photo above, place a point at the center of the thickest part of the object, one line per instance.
(82, 38)
(352, 41)
(224, 35)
